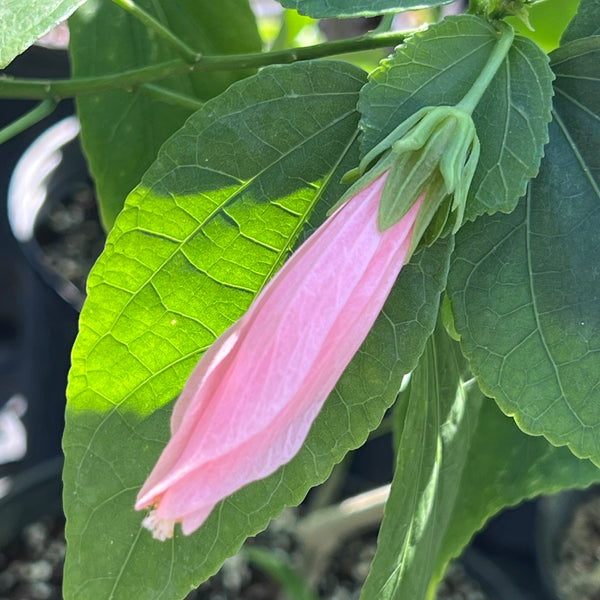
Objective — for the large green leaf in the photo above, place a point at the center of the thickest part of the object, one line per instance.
(435, 434)
(437, 67)
(22, 23)
(585, 23)
(459, 462)
(122, 131)
(319, 9)
(208, 225)
(505, 466)
(525, 286)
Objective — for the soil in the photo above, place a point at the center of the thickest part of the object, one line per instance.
(70, 236)
(578, 568)
(31, 569)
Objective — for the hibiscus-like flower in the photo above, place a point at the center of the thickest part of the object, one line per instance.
(250, 402)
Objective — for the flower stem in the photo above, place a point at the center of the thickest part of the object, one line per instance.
(188, 54)
(43, 109)
(473, 96)
(128, 80)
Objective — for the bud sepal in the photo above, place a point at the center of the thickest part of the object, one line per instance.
(434, 152)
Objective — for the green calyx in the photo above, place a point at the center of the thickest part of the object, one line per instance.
(500, 9)
(433, 154)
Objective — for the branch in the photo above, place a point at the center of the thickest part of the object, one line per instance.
(35, 115)
(128, 80)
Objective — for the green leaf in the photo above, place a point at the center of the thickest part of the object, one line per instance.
(504, 467)
(319, 9)
(438, 417)
(524, 287)
(278, 567)
(459, 462)
(438, 67)
(211, 221)
(585, 23)
(121, 131)
(23, 23)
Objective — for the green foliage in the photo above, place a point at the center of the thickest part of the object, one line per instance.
(438, 67)
(434, 431)
(23, 23)
(209, 224)
(491, 481)
(585, 23)
(450, 478)
(280, 570)
(229, 190)
(319, 9)
(121, 131)
(524, 286)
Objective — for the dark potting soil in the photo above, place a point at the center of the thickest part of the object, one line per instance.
(458, 585)
(578, 570)
(70, 236)
(31, 569)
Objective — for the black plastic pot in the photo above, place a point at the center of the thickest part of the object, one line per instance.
(48, 305)
(28, 496)
(37, 327)
(495, 579)
(37, 330)
(52, 168)
(506, 553)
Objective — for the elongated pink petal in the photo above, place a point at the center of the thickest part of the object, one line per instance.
(249, 404)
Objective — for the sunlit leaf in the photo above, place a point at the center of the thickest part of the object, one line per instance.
(122, 131)
(547, 20)
(23, 23)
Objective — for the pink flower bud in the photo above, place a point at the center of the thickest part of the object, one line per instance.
(251, 400)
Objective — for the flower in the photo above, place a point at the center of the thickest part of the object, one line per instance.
(250, 402)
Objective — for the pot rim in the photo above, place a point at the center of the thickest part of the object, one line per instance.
(28, 190)
(28, 184)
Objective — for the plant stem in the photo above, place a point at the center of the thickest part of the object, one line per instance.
(188, 54)
(386, 23)
(170, 96)
(28, 119)
(280, 569)
(65, 88)
(322, 531)
(499, 52)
